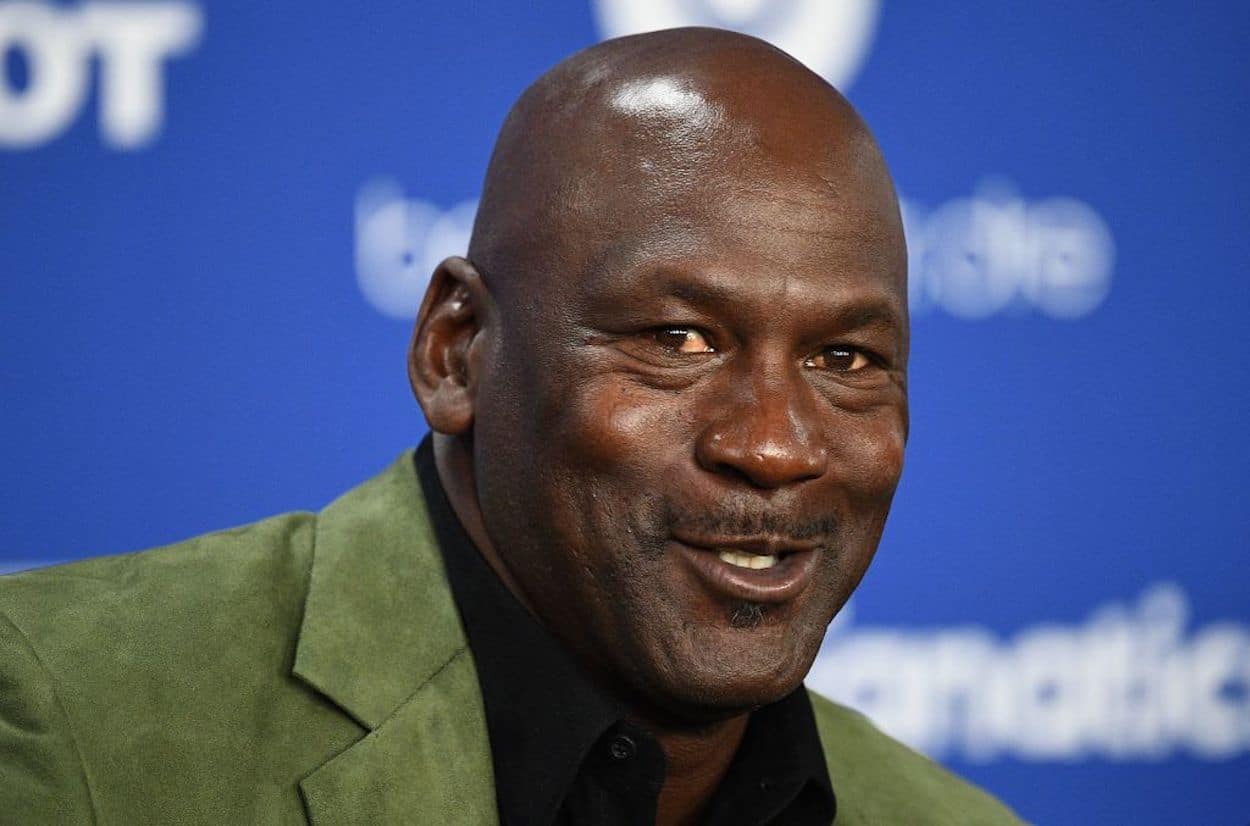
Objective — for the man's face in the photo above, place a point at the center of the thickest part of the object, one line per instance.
(687, 435)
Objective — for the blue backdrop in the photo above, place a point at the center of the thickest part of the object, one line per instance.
(216, 220)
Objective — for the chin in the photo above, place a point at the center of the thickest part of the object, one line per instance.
(725, 671)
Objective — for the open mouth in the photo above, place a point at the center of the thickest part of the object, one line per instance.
(755, 570)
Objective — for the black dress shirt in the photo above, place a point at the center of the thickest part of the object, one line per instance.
(564, 753)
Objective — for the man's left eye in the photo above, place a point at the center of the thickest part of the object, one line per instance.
(682, 340)
(839, 359)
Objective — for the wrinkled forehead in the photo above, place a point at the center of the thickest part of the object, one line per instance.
(678, 168)
(765, 247)
(606, 167)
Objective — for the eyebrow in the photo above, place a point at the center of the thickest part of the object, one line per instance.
(872, 311)
(680, 285)
(877, 312)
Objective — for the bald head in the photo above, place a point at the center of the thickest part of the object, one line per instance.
(644, 126)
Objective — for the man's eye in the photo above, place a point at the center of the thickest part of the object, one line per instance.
(840, 359)
(682, 340)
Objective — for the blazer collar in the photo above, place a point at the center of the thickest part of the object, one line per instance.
(381, 638)
(379, 619)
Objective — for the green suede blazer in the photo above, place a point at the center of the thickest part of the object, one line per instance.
(309, 667)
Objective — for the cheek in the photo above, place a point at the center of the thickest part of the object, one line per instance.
(867, 463)
(868, 454)
(601, 448)
(610, 426)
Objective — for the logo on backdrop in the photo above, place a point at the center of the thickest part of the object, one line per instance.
(996, 253)
(1128, 684)
(399, 242)
(971, 257)
(46, 52)
(831, 37)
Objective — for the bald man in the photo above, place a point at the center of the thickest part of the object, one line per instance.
(667, 390)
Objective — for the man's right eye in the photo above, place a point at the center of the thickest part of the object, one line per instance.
(682, 340)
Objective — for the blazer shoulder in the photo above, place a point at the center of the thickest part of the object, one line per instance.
(877, 779)
(159, 682)
(207, 591)
(198, 563)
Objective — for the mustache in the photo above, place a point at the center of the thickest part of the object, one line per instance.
(738, 520)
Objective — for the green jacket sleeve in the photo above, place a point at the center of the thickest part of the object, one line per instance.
(42, 776)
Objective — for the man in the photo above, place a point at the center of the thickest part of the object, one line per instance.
(667, 390)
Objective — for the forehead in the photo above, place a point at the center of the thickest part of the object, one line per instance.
(779, 242)
(778, 188)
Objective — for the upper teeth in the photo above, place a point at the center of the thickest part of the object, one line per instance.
(747, 560)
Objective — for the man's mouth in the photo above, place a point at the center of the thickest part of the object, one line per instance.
(753, 569)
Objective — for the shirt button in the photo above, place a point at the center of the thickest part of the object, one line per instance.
(622, 747)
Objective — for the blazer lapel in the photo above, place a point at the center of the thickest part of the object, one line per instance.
(424, 764)
(381, 638)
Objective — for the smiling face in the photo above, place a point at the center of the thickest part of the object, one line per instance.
(689, 404)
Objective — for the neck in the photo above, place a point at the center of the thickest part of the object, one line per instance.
(454, 462)
(696, 758)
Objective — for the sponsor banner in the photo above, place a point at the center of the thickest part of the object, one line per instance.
(1133, 682)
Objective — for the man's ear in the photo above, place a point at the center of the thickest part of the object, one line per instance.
(442, 367)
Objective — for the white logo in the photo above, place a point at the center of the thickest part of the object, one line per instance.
(399, 242)
(831, 37)
(1129, 683)
(995, 252)
(56, 45)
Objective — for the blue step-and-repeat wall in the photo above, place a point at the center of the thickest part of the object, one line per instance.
(217, 218)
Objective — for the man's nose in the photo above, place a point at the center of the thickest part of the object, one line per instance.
(768, 435)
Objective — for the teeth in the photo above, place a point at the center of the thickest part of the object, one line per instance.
(742, 560)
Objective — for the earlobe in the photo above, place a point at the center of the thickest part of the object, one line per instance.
(440, 366)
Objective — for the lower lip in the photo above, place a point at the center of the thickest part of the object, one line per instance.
(781, 583)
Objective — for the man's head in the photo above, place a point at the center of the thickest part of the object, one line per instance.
(672, 369)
